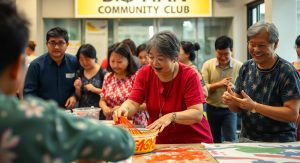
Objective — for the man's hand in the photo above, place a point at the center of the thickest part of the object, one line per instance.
(245, 103)
(71, 101)
(227, 97)
(224, 82)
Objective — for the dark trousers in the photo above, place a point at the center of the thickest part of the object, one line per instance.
(222, 123)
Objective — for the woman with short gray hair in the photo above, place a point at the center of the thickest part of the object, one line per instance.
(172, 92)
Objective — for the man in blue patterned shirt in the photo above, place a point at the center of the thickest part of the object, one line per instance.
(267, 91)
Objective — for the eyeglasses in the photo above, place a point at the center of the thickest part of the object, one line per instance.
(59, 44)
(258, 46)
(159, 59)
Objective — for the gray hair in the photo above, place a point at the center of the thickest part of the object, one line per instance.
(258, 27)
(166, 43)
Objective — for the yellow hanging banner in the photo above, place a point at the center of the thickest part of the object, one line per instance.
(142, 8)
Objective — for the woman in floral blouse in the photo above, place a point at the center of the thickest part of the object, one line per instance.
(119, 81)
(37, 131)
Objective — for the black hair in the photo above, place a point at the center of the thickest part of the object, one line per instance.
(190, 48)
(141, 48)
(124, 50)
(131, 45)
(58, 32)
(223, 42)
(297, 41)
(87, 50)
(14, 34)
(31, 45)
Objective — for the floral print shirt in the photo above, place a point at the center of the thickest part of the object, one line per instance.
(116, 91)
(37, 131)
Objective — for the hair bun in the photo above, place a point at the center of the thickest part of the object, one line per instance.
(197, 46)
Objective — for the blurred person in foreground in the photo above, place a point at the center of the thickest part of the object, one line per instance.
(35, 131)
(267, 90)
(172, 93)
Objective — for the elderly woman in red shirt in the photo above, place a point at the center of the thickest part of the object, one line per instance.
(172, 92)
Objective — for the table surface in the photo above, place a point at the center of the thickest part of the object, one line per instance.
(231, 152)
(175, 153)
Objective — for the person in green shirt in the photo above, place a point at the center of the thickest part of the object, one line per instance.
(33, 130)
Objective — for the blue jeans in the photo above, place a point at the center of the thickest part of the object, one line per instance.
(222, 123)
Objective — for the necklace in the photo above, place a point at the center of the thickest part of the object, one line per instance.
(161, 106)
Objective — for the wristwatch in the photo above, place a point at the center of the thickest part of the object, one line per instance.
(173, 117)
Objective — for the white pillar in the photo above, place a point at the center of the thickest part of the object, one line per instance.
(32, 11)
(284, 15)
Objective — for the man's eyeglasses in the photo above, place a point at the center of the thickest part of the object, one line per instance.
(259, 46)
(59, 44)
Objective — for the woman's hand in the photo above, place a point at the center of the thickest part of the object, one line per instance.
(77, 83)
(129, 107)
(107, 111)
(120, 111)
(90, 87)
(162, 122)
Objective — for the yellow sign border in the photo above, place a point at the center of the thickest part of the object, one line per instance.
(86, 8)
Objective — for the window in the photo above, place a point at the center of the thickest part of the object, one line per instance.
(255, 13)
(139, 30)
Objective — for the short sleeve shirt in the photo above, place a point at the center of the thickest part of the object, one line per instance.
(269, 87)
(174, 96)
(89, 98)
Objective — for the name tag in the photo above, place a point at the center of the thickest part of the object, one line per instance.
(70, 75)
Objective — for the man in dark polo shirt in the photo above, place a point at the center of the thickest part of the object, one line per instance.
(51, 76)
